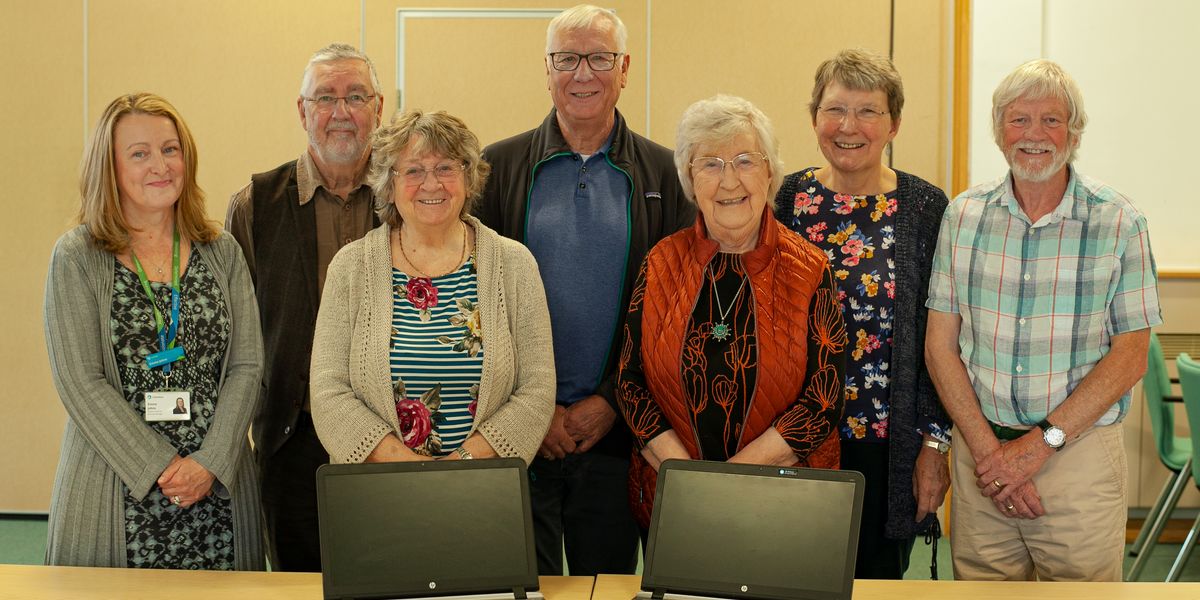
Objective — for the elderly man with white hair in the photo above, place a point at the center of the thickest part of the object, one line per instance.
(589, 198)
(290, 222)
(1041, 301)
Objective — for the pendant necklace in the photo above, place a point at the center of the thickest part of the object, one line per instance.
(720, 331)
(461, 259)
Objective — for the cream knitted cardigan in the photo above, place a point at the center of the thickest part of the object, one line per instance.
(352, 402)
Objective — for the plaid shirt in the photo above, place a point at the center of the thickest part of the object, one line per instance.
(1040, 301)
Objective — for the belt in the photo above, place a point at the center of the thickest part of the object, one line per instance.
(1007, 433)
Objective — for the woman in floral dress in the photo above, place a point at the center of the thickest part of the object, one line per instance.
(149, 310)
(433, 337)
(878, 226)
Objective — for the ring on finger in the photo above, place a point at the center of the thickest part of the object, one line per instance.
(996, 482)
(175, 500)
(1011, 507)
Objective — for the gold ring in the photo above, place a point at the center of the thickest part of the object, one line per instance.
(1011, 507)
(175, 500)
(996, 482)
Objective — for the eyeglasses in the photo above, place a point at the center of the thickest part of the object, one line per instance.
(712, 167)
(325, 102)
(865, 114)
(569, 61)
(445, 172)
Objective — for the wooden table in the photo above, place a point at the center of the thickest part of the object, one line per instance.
(623, 587)
(84, 583)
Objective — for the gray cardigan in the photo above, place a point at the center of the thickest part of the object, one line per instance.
(351, 382)
(106, 443)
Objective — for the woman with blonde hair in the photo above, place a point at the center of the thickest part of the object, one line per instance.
(149, 305)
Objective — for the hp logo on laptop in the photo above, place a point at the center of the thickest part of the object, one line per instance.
(745, 588)
(433, 585)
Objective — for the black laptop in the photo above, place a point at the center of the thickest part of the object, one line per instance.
(723, 530)
(434, 529)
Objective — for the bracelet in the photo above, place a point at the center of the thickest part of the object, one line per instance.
(463, 453)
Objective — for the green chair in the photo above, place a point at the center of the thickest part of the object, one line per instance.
(1189, 380)
(1174, 451)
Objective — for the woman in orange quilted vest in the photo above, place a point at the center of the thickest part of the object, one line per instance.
(734, 345)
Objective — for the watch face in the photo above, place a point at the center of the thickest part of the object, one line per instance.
(1055, 437)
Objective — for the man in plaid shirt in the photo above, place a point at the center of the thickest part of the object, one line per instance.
(1041, 301)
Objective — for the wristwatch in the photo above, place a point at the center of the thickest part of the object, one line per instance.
(1052, 435)
(941, 447)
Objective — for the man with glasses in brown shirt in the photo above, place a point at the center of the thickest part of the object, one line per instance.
(290, 222)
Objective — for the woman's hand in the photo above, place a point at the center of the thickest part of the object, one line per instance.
(664, 446)
(185, 481)
(767, 449)
(391, 449)
(931, 479)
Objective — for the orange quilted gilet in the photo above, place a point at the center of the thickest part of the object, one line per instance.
(784, 273)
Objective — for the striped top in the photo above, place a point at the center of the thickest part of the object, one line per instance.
(436, 358)
(1040, 301)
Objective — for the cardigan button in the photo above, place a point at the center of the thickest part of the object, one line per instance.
(287, 430)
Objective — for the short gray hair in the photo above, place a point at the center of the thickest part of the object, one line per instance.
(420, 132)
(585, 16)
(1035, 80)
(718, 120)
(335, 52)
(862, 71)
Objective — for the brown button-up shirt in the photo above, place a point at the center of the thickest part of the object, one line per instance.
(339, 221)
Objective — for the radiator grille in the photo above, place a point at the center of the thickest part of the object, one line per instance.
(1175, 343)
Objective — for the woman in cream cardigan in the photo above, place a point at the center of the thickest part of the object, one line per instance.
(433, 337)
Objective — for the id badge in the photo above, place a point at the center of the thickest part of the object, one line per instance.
(169, 405)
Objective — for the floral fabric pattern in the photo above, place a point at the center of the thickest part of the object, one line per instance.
(436, 356)
(858, 235)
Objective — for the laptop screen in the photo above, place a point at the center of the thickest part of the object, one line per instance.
(744, 531)
(425, 528)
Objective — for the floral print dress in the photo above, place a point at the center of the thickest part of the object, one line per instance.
(857, 233)
(159, 534)
(436, 358)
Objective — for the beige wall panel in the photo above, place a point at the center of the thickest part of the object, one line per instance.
(42, 123)
(489, 72)
(765, 51)
(231, 67)
(922, 60)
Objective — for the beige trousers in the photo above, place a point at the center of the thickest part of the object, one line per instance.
(1080, 538)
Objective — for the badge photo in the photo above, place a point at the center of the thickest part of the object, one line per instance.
(169, 405)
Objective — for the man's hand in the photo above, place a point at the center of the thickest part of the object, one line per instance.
(1023, 503)
(931, 479)
(1003, 472)
(587, 421)
(557, 443)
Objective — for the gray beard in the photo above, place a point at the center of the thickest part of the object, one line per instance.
(1024, 173)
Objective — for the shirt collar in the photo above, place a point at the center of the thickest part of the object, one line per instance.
(1072, 206)
(309, 179)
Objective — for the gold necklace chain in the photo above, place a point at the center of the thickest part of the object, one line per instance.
(462, 257)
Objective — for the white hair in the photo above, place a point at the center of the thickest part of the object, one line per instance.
(717, 120)
(1035, 80)
(334, 52)
(586, 16)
